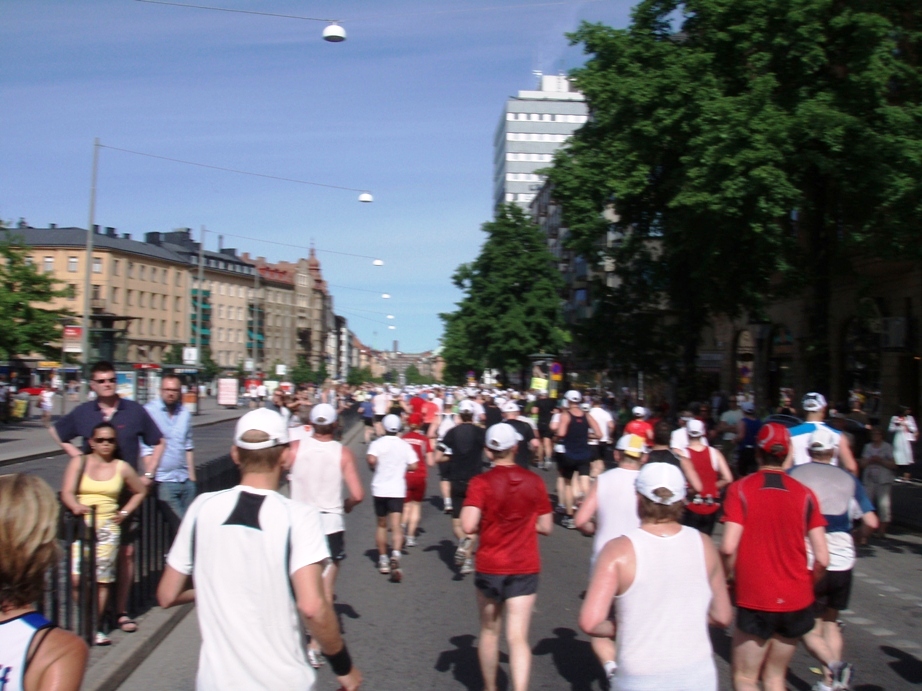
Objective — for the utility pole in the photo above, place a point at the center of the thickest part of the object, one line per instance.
(201, 300)
(255, 314)
(88, 278)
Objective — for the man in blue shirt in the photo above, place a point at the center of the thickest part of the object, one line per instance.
(175, 474)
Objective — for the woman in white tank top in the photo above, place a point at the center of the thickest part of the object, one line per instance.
(667, 584)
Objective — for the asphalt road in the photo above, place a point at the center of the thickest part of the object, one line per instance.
(422, 633)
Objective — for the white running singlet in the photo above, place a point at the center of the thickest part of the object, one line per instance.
(316, 478)
(15, 640)
(616, 512)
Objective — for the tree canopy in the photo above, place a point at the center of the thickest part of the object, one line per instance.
(746, 148)
(511, 303)
(26, 326)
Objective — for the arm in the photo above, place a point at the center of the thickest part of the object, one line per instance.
(470, 519)
(593, 616)
(351, 478)
(69, 448)
(594, 426)
(372, 461)
(137, 487)
(730, 542)
(152, 462)
(430, 459)
(585, 516)
(317, 612)
(67, 487)
(59, 664)
(175, 588)
(545, 524)
(190, 464)
(870, 520)
(846, 455)
(723, 470)
(817, 538)
(720, 612)
(690, 473)
(562, 424)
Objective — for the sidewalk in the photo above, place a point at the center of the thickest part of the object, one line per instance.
(22, 441)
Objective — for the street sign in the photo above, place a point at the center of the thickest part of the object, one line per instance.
(72, 338)
(281, 370)
(248, 365)
(189, 355)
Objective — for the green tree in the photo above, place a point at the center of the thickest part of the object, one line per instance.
(511, 303)
(750, 149)
(302, 372)
(359, 376)
(25, 325)
(173, 356)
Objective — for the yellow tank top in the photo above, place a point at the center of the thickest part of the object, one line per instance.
(102, 494)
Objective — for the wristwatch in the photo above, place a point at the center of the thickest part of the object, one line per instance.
(149, 475)
(123, 512)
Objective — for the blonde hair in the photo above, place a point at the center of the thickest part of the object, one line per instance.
(650, 511)
(28, 538)
(258, 460)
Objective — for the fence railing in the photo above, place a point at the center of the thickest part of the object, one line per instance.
(71, 601)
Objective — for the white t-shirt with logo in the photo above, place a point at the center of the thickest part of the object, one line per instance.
(247, 542)
(602, 417)
(394, 455)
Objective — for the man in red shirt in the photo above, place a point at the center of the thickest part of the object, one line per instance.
(416, 478)
(766, 516)
(639, 426)
(509, 507)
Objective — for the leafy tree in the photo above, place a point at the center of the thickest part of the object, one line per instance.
(302, 372)
(511, 304)
(751, 151)
(414, 377)
(360, 376)
(26, 326)
(173, 356)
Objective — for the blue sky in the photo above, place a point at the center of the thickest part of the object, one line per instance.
(405, 108)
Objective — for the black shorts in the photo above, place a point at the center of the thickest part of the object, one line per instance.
(832, 591)
(502, 587)
(386, 505)
(444, 469)
(458, 495)
(544, 430)
(378, 418)
(336, 542)
(764, 625)
(368, 421)
(567, 467)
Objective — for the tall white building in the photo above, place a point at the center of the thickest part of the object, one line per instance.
(533, 126)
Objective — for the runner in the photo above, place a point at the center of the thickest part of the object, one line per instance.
(416, 479)
(714, 473)
(836, 490)
(606, 424)
(667, 584)
(462, 451)
(767, 515)
(379, 405)
(509, 508)
(639, 425)
(610, 511)
(573, 431)
(321, 466)
(814, 405)
(662, 453)
(545, 408)
(746, 431)
(447, 422)
(528, 445)
(390, 458)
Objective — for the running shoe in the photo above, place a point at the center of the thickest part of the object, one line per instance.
(467, 566)
(841, 675)
(396, 571)
(315, 658)
(560, 508)
(411, 541)
(102, 639)
(820, 686)
(383, 565)
(448, 506)
(568, 523)
(462, 552)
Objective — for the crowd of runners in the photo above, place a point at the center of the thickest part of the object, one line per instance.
(649, 492)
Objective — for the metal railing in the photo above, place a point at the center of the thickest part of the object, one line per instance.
(69, 604)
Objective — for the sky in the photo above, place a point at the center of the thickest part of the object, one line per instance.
(406, 108)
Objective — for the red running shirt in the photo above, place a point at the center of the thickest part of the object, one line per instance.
(510, 499)
(420, 444)
(641, 428)
(701, 459)
(776, 512)
(416, 404)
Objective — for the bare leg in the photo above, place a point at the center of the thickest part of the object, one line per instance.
(125, 577)
(518, 621)
(491, 619)
(584, 484)
(445, 487)
(381, 536)
(780, 652)
(412, 512)
(396, 532)
(748, 655)
(103, 591)
(817, 644)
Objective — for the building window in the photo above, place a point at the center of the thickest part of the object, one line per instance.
(141, 327)
(153, 326)
(163, 327)
(114, 292)
(95, 293)
(129, 297)
(29, 260)
(97, 265)
(153, 273)
(221, 335)
(178, 307)
(130, 269)
(175, 329)
(220, 311)
(72, 265)
(48, 265)
(163, 302)
(142, 272)
(240, 313)
(179, 278)
(142, 299)
(115, 267)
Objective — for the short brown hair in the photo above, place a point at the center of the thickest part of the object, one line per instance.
(28, 537)
(662, 433)
(652, 512)
(258, 460)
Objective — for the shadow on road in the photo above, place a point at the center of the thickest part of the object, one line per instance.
(907, 666)
(573, 659)
(464, 666)
(446, 552)
(344, 611)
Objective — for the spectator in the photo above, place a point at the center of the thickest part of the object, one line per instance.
(904, 429)
(879, 474)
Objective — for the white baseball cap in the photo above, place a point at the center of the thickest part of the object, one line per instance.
(323, 414)
(573, 396)
(822, 440)
(466, 406)
(814, 402)
(654, 476)
(392, 423)
(695, 428)
(639, 411)
(747, 407)
(510, 407)
(502, 436)
(585, 406)
(261, 420)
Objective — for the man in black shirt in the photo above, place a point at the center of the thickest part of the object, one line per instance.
(661, 453)
(492, 414)
(528, 444)
(544, 408)
(462, 450)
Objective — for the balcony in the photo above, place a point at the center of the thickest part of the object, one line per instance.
(98, 305)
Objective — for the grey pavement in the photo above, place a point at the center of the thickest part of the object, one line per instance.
(422, 633)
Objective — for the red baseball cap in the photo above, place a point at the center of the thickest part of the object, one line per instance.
(774, 439)
(415, 419)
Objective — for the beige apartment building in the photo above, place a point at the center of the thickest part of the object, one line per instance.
(145, 286)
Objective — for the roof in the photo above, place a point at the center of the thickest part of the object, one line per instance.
(76, 238)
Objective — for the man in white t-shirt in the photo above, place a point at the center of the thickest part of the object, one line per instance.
(256, 557)
(379, 404)
(390, 457)
(814, 405)
(607, 427)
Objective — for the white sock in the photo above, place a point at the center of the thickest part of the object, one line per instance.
(610, 667)
(395, 554)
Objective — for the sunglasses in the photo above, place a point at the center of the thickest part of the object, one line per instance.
(104, 381)
(104, 440)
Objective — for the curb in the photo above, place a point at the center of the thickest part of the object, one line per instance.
(113, 669)
(56, 451)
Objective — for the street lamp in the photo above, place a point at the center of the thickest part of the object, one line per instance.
(386, 296)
